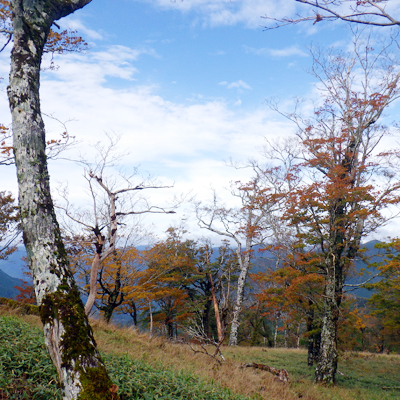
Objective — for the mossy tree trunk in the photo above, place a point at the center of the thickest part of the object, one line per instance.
(313, 335)
(68, 335)
(325, 371)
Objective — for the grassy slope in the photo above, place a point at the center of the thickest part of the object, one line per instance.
(139, 365)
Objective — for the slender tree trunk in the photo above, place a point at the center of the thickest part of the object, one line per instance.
(94, 270)
(314, 338)
(134, 313)
(244, 262)
(285, 335)
(68, 335)
(151, 320)
(112, 301)
(298, 336)
(220, 331)
(205, 318)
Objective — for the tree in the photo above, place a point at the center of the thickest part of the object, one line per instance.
(292, 289)
(166, 280)
(385, 299)
(113, 200)
(248, 226)
(117, 278)
(68, 335)
(349, 182)
(366, 12)
(56, 43)
(212, 285)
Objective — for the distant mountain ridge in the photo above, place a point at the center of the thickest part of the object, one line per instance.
(7, 284)
(14, 265)
(11, 270)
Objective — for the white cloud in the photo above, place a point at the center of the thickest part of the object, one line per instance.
(236, 85)
(115, 62)
(185, 143)
(224, 12)
(75, 24)
(290, 51)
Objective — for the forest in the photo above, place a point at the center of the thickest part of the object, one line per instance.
(276, 266)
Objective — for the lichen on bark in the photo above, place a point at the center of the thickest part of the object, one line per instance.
(68, 335)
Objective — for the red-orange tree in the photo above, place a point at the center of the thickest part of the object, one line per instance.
(166, 281)
(182, 286)
(347, 181)
(292, 290)
(118, 274)
(386, 297)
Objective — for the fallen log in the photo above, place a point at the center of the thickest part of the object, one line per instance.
(282, 374)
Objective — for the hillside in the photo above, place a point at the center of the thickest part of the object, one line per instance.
(7, 284)
(154, 368)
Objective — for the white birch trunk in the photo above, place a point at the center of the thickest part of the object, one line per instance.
(244, 263)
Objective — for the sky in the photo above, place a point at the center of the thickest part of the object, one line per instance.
(184, 84)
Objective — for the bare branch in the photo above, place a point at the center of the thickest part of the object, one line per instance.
(366, 12)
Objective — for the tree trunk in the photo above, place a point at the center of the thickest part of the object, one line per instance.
(244, 262)
(111, 303)
(133, 314)
(94, 270)
(151, 320)
(325, 371)
(277, 315)
(314, 338)
(237, 309)
(68, 335)
(220, 331)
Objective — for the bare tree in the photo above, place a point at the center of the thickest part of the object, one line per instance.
(248, 226)
(113, 200)
(366, 12)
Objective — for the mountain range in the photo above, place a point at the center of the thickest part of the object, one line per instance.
(11, 270)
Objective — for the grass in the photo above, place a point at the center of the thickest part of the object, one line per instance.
(362, 376)
(27, 372)
(146, 368)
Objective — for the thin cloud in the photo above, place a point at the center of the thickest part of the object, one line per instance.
(236, 85)
(223, 12)
(76, 24)
(290, 51)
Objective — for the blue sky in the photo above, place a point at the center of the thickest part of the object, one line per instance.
(183, 83)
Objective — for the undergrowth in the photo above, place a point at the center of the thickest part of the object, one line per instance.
(145, 368)
(27, 372)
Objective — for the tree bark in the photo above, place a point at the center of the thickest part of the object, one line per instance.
(244, 262)
(220, 332)
(151, 320)
(325, 371)
(68, 335)
(314, 337)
